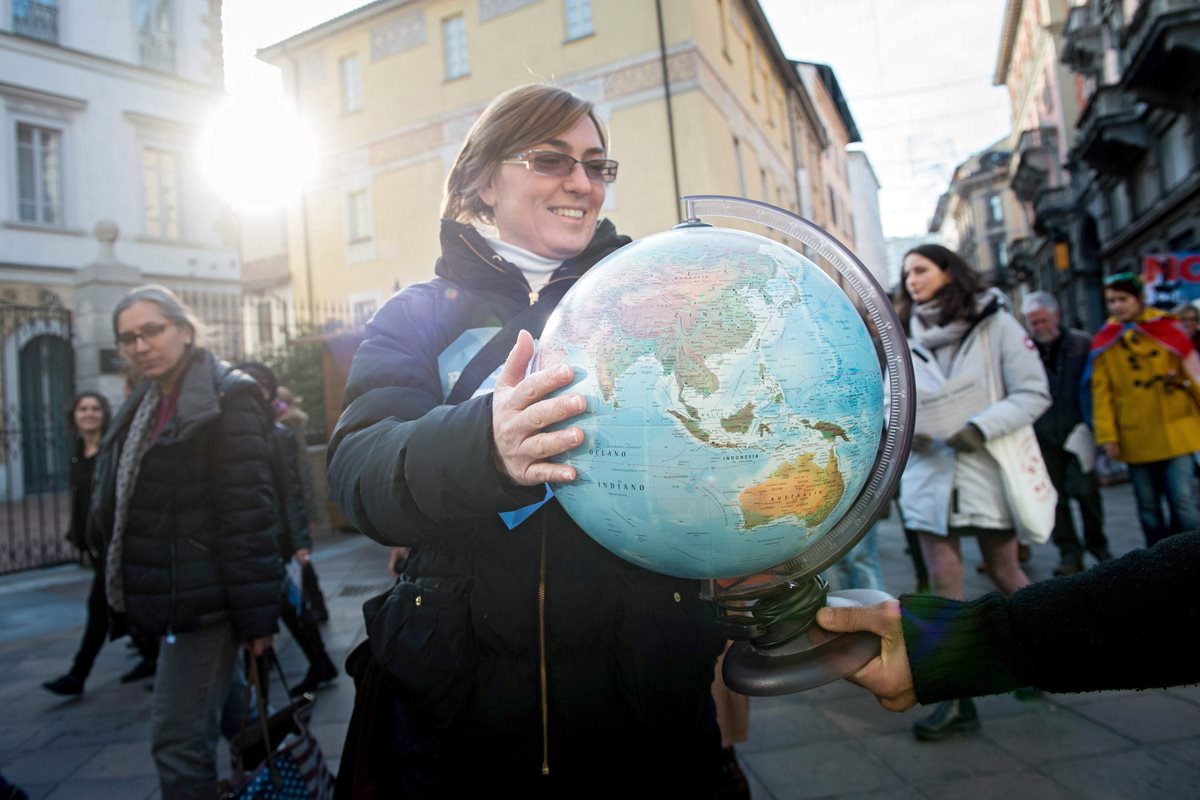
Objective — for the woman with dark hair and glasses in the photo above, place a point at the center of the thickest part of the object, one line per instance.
(962, 335)
(87, 420)
(184, 501)
(513, 653)
(1145, 384)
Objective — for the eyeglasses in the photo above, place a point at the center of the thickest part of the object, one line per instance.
(554, 164)
(149, 332)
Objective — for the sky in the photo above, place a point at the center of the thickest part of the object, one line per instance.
(917, 75)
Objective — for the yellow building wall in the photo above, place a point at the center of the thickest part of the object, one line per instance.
(413, 121)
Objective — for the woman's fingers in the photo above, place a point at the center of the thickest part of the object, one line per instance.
(517, 362)
(521, 411)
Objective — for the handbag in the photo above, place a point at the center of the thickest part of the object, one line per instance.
(1028, 489)
(285, 757)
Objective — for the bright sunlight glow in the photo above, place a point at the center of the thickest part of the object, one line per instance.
(257, 152)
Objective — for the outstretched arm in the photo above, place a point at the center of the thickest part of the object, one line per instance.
(1122, 624)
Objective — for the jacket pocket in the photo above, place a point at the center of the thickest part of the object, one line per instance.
(421, 635)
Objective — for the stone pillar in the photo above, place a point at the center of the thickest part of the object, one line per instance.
(98, 287)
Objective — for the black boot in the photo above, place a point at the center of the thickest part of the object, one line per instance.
(949, 718)
(141, 670)
(732, 785)
(68, 685)
(1069, 564)
(319, 673)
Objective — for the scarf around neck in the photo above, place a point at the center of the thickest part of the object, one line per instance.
(129, 463)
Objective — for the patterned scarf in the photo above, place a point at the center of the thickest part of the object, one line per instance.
(128, 465)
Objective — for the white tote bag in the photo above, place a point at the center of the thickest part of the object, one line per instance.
(1027, 487)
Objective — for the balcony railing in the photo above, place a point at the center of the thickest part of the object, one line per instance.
(1083, 38)
(1035, 160)
(1051, 207)
(157, 51)
(36, 20)
(1162, 52)
(1111, 137)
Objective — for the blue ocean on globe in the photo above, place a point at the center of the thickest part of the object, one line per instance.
(734, 402)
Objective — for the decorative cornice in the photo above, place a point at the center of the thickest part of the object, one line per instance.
(1008, 38)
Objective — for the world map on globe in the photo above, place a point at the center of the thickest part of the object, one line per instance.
(734, 402)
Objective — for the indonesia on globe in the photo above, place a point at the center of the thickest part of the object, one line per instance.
(734, 402)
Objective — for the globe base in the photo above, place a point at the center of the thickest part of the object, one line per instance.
(812, 659)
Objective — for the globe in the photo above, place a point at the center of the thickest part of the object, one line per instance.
(734, 402)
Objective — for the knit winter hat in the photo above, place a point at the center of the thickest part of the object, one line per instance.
(1126, 282)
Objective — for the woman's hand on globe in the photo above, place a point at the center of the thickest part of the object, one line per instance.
(520, 412)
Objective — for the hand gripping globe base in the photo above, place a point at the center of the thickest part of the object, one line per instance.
(736, 429)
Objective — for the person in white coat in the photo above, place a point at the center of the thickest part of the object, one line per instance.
(978, 376)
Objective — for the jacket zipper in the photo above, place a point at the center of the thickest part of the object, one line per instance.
(533, 296)
(174, 577)
(541, 593)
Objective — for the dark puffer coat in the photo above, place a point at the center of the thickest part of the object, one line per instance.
(530, 659)
(199, 539)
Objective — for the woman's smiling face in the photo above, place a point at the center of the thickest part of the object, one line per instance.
(553, 217)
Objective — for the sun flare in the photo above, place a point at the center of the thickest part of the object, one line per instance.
(257, 153)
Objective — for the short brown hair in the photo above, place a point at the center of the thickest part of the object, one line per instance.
(515, 120)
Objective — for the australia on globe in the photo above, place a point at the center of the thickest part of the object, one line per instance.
(734, 402)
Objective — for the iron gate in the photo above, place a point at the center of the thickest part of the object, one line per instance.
(36, 384)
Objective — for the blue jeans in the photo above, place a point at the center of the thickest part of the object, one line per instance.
(1171, 479)
(190, 687)
(859, 569)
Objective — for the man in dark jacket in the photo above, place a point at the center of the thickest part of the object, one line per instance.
(292, 534)
(1062, 434)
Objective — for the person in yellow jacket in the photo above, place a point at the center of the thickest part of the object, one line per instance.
(1145, 385)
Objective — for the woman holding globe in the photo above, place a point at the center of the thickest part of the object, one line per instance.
(963, 340)
(513, 650)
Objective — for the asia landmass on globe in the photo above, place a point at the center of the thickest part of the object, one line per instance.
(735, 401)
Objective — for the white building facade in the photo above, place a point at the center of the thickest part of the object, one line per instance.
(101, 106)
(868, 223)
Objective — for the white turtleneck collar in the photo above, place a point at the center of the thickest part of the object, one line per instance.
(536, 269)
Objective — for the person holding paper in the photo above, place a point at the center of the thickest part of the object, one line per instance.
(963, 340)
(1065, 439)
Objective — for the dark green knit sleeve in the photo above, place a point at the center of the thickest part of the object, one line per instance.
(958, 649)
(1123, 624)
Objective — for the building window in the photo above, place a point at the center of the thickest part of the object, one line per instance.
(579, 18)
(160, 186)
(454, 39)
(36, 19)
(351, 85)
(999, 253)
(358, 216)
(995, 209)
(156, 45)
(750, 69)
(725, 31)
(363, 310)
(266, 330)
(39, 174)
(741, 172)
(833, 206)
(1176, 150)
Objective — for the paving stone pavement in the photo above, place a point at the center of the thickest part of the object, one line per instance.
(831, 742)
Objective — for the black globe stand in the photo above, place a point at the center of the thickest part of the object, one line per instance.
(810, 657)
(771, 616)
